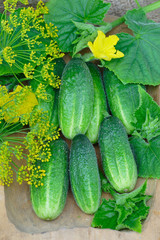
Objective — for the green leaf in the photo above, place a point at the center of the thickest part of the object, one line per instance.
(63, 13)
(122, 198)
(81, 27)
(105, 184)
(147, 156)
(87, 33)
(125, 211)
(141, 63)
(147, 116)
(106, 216)
(133, 221)
(82, 42)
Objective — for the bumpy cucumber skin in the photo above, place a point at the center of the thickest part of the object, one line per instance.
(84, 174)
(48, 201)
(123, 99)
(117, 158)
(76, 98)
(100, 110)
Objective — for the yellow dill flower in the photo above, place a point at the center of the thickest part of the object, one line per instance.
(30, 174)
(103, 47)
(27, 41)
(17, 104)
(10, 5)
(9, 55)
(47, 73)
(6, 172)
(41, 92)
(29, 69)
(6, 27)
(27, 102)
(26, 171)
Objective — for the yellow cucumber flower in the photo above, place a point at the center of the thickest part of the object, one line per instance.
(103, 47)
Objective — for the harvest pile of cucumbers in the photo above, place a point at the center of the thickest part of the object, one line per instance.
(82, 113)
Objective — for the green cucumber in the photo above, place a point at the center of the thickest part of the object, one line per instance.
(75, 99)
(123, 99)
(48, 201)
(117, 158)
(84, 174)
(100, 110)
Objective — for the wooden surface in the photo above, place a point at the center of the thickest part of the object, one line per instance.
(18, 221)
(151, 230)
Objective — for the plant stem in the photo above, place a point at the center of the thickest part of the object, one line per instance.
(138, 4)
(149, 8)
(118, 22)
(15, 166)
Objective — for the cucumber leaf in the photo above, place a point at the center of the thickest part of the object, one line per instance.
(106, 216)
(141, 63)
(133, 221)
(63, 13)
(121, 199)
(126, 211)
(147, 116)
(147, 156)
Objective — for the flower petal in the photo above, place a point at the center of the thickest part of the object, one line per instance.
(99, 41)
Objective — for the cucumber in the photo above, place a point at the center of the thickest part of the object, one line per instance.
(84, 174)
(100, 110)
(117, 158)
(76, 98)
(48, 201)
(123, 99)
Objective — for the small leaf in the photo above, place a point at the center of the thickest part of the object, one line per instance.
(83, 41)
(84, 27)
(133, 221)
